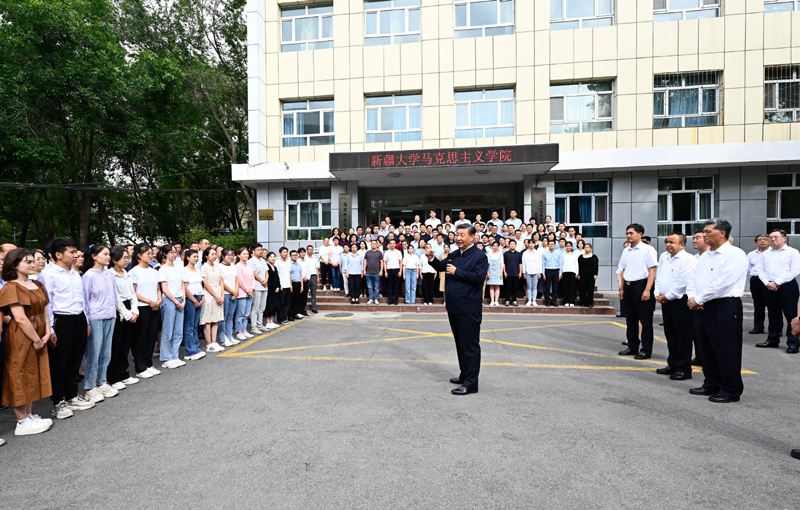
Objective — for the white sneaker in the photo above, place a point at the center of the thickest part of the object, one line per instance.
(30, 427)
(118, 386)
(154, 371)
(62, 410)
(534, 303)
(2, 441)
(80, 403)
(271, 326)
(298, 316)
(215, 347)
(130, 380)
(227, 342)
(46, 421)
(180, 362)
(144, 375)
(170, 364)
(193, 357)
(94, 395)
(240, 336)
(235, 341)
(107, 391)
(528, 303)
(264, 328)
(247, 335)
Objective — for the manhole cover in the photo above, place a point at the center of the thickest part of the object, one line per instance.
(338, 315)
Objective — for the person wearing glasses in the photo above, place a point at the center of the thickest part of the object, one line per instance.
(779, 268)
(638, 264)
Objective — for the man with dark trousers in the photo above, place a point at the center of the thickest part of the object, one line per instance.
(638, 264)
(466, 270)
(779, 269)
(795, 325)
(715, 292)
(756, 285)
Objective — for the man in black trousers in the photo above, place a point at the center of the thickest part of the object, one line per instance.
(638, 263)
(757, 289)
(466, 272)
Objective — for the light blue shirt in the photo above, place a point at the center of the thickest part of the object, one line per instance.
(354, 265)
(552, 260)
(297, 271)
(438, 249)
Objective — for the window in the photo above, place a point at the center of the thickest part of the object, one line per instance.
(307, 28)
(686, 100)
(308, 123)
(782, 93)
(783, 202)
(566, 14)
(484, 113)
(478, 18)
(396, 118)
(581, 107)
(684, 203)
(308, 214)
(583, 205)
(670, 10)
(781, 5)
(392, 22)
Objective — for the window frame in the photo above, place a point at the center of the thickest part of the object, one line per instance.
(595, 93)
(309, 236)
(795, 112)
(659, 14)
(392, 36)
(700, 88)
(562, 22)
(308, 109)
(305, 43)
(670, 223)
(500, 101)
(794, 3)
(467, 31)
(580, 227)
(379, 108)
(776, 220)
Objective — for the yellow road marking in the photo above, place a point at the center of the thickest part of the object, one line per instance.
(232, 350)
(344, 344)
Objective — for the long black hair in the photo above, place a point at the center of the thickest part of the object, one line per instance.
(117, 253)
(88, 261)
(138, 250)
(186, 254)
(161, 256)
(206, 252)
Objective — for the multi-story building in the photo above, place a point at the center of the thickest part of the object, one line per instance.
(664, 112)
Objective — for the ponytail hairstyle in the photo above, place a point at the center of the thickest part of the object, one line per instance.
(117, 253)
(161, 256)
(186, 254)
(206, 252)
(88, 261)
(225, 252)
(138, 250)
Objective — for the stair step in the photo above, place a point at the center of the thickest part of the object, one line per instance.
(328, 300)
(403, 308)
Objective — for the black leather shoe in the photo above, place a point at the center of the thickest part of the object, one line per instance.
(666, 370)
(696, 362)
(305, 314)
(702, 391)
(314, 310)
(681, 376)
(463, 390)
(792, 349)
(456, 380)
(756, 331)
(642, 355)
(723, 399)
(620, 315)
(796, 453)
(629, 352)
(625, 343)
(767, 343)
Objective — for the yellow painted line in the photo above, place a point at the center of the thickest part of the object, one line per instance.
(528, 321)
(539, 347)
(344, 344)
(231, 351)
(540, 327)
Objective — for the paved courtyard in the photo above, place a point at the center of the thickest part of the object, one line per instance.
(356, 412)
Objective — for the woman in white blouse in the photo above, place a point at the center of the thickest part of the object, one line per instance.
(567, 287)
(193, 289)
(532, 268)
(148, 294)
(125, 327)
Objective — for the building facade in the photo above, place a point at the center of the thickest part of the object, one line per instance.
(661, 112)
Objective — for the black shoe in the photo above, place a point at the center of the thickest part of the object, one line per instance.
(702, 391)
(723, 399)
(681, 376)
(625, 343)
(767, 343)
(642, 355)
(795, 453)
(792, 349)
(629, 352)
(660, 323)
(508, 303)
(305, 314)
(463, 390)
(514, 303)
(620, 315)
(314, 310)
(756, 331)
(666, 370)
(696, 362)
(456, 380)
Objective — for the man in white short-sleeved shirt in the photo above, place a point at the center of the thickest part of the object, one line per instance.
(638, 264)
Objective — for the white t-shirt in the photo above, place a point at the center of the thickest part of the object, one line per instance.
(426, 266)
(146, 282)
(284, 272)
(174, 278)
(411, 262)
(195, 281)
(433, 222)
(325, 254)
(392, 258)
(259, 266)
(336, 253)
(228, 274)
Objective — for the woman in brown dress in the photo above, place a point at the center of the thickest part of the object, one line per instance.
(26, 375)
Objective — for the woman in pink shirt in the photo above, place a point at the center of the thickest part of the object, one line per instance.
(244, 300)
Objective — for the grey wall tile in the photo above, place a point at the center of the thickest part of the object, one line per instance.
(644, 187)
(754, 183)
(729, 210)
(616, 250)
(777, 169)
(621, 187)
(670, 172)
(728, 186)
(647, 215)
(752, 214)
(601, 246)
(606, 278)
(620, 218)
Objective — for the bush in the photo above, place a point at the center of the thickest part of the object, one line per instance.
(227, 238)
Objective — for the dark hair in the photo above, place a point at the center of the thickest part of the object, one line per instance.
(282, 248)
(162, 252)
(117, 253)
(37, 250)
(512, 241)
(495, 242)
(138, 250)
(201, 240)
(60, 245)
(550, 241)
(186, 254)
(293, 251)
(724, 226)
(638, 228)
(760, 236)
(301, 250)
(206, 252)
(12, 261)
(469, 228)
(697, 232)
(225, 252)
(778, 230)
(241, 250)
(271, 253)
(647, 239)
(590, 244)
(88, 261)
(681, 237)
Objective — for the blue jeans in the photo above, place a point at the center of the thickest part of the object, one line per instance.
(171, 329)
(533, 280)
(337, 276)
(411, 285)
(373, 286)
(226, 326)
(243, 305)
(191, 315)
(98, 353)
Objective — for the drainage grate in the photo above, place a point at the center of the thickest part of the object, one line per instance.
(338, 315)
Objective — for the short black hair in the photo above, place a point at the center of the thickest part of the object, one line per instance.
(469, 228)
(637, 227)
(293, 251)
(720, 224)
(760, 236)
(301, 250)
(282, 248)
(778, 230)
(60, 245)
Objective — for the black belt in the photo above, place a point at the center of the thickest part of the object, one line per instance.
(636, 282)
(720, 300)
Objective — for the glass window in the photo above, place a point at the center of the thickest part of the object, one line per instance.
(392, 22)
(308, 122)
(781, 5)
(395, 118)
(670, 10)
(484, 113)
(308, 214)
(684, 203)
(783, 202)
(781, 93)
(686, 100)
(568, 14)
(307, 28)
(479, 18)
(581, 107)
(583, 205)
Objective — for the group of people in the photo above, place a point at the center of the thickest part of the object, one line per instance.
(541, 259)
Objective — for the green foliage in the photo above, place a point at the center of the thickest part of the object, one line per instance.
(229, 239)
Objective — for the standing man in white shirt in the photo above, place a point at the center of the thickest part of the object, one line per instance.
(312, 263)
(433, 221)
(284, 267)
(462, 219)
(638, 264)
(757, 289)
(513, 220)
(675, 267)
(715, 292)
(416, 223)
(325, 263)
(259, 267)
(494, 221)
(700, 248)
(779, 269)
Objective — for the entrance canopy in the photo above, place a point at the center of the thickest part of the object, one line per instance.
(464, 165)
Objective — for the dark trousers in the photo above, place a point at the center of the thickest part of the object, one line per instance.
(550, 286)
(65, 358)
(312, 291)
(304, 296)
(296, 301)
(144, 338)
(639, 311)
(586, 288)
(719, 334)
(679, 330)
(466, 329)
(324, 273)
(393, 284)
(120, 348)
(568, 287)
(782, 303)
(354, 281)
(427, 287)
(758, 289)
(512, 286)
(284, 302)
